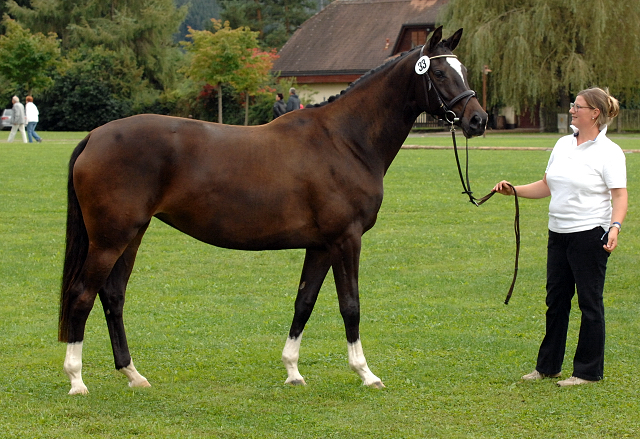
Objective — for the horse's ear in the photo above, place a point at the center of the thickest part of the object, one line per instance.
(436, 36)
(452, 42)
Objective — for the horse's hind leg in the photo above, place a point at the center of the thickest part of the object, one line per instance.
(316, 266)
(112, 296)
(82, 295)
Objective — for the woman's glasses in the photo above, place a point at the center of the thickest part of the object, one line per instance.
(578, 107)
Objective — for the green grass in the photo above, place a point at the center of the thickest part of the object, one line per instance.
(206, 326)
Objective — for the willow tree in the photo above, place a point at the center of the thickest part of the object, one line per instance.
(545, 51)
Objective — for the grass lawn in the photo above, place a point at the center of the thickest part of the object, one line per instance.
(206, 326)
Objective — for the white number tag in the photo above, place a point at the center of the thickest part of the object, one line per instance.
(423, 65)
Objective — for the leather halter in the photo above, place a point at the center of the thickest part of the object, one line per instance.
(451, 117)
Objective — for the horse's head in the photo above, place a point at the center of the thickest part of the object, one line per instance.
(443, 87)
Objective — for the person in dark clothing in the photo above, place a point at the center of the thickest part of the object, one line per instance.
(279, 107)
(294, 101)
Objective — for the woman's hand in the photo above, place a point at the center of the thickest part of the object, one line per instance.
(612, 242)
(503, 188)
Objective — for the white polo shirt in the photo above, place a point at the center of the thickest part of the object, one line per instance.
(580, 179)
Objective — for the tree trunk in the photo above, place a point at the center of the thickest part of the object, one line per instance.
(541, 117)
(219, 103)
(259, 18)
(246, 108)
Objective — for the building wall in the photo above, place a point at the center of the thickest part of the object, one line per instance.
(324, 91)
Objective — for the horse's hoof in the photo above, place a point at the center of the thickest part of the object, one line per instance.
(141, 383)
(296, 382)
(80, 390)
(377, 385)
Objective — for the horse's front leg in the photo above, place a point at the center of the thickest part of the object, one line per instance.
(316, 266)
(345, 261)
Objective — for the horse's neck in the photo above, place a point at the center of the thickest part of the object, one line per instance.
(385, 112)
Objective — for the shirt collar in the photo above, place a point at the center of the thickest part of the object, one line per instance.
(603, 131)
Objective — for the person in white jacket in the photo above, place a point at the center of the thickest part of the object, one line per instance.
(32, 120)
(18, 120)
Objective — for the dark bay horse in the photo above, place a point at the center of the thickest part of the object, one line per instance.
(310, 179)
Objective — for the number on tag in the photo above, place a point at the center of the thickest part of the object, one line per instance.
(423, 65)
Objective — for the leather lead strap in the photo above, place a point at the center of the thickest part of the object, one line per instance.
(468, 94)
(466, 186)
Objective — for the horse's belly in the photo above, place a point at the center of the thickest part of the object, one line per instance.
(248, 233)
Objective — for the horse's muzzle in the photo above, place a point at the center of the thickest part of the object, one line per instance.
(475, 125)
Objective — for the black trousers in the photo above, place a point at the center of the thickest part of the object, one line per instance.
(575, 262)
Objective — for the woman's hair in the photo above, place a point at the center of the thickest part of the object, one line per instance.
(601, 99)
(29, 99)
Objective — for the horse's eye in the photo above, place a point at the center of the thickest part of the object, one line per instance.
(439, 74)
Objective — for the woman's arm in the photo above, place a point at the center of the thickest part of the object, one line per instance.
(619, 199)
(537, 189)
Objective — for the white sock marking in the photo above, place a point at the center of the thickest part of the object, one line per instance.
(290, 355)
(358, 363)
(135, 379)
(73, 368)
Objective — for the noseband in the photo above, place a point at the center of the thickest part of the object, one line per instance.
(451, 117)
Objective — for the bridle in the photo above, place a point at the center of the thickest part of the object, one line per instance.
(449, 115)
(451, 118)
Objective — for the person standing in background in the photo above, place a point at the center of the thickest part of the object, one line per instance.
(32, 120)
(294, 101)
(17, 120)
(279, 107)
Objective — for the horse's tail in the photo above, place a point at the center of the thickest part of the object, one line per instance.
(77, 246)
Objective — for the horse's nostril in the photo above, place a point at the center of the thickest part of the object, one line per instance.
(475, 122)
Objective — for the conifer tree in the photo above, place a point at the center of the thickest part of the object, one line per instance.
(274, 20)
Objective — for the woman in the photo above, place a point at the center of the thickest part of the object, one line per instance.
(585, 175)
(18, 120)
(32, 120)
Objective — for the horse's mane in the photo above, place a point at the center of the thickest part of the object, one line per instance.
(364, 77)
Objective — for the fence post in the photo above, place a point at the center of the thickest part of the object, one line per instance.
(620, 121)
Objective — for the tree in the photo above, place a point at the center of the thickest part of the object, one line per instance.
(27, 59)
(96, 86)
(253, 76)
(223, 58)
(198, 17)
(145, 28)
(545, 51)
(275, 20)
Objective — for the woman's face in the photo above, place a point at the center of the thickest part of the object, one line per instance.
(582, 115)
